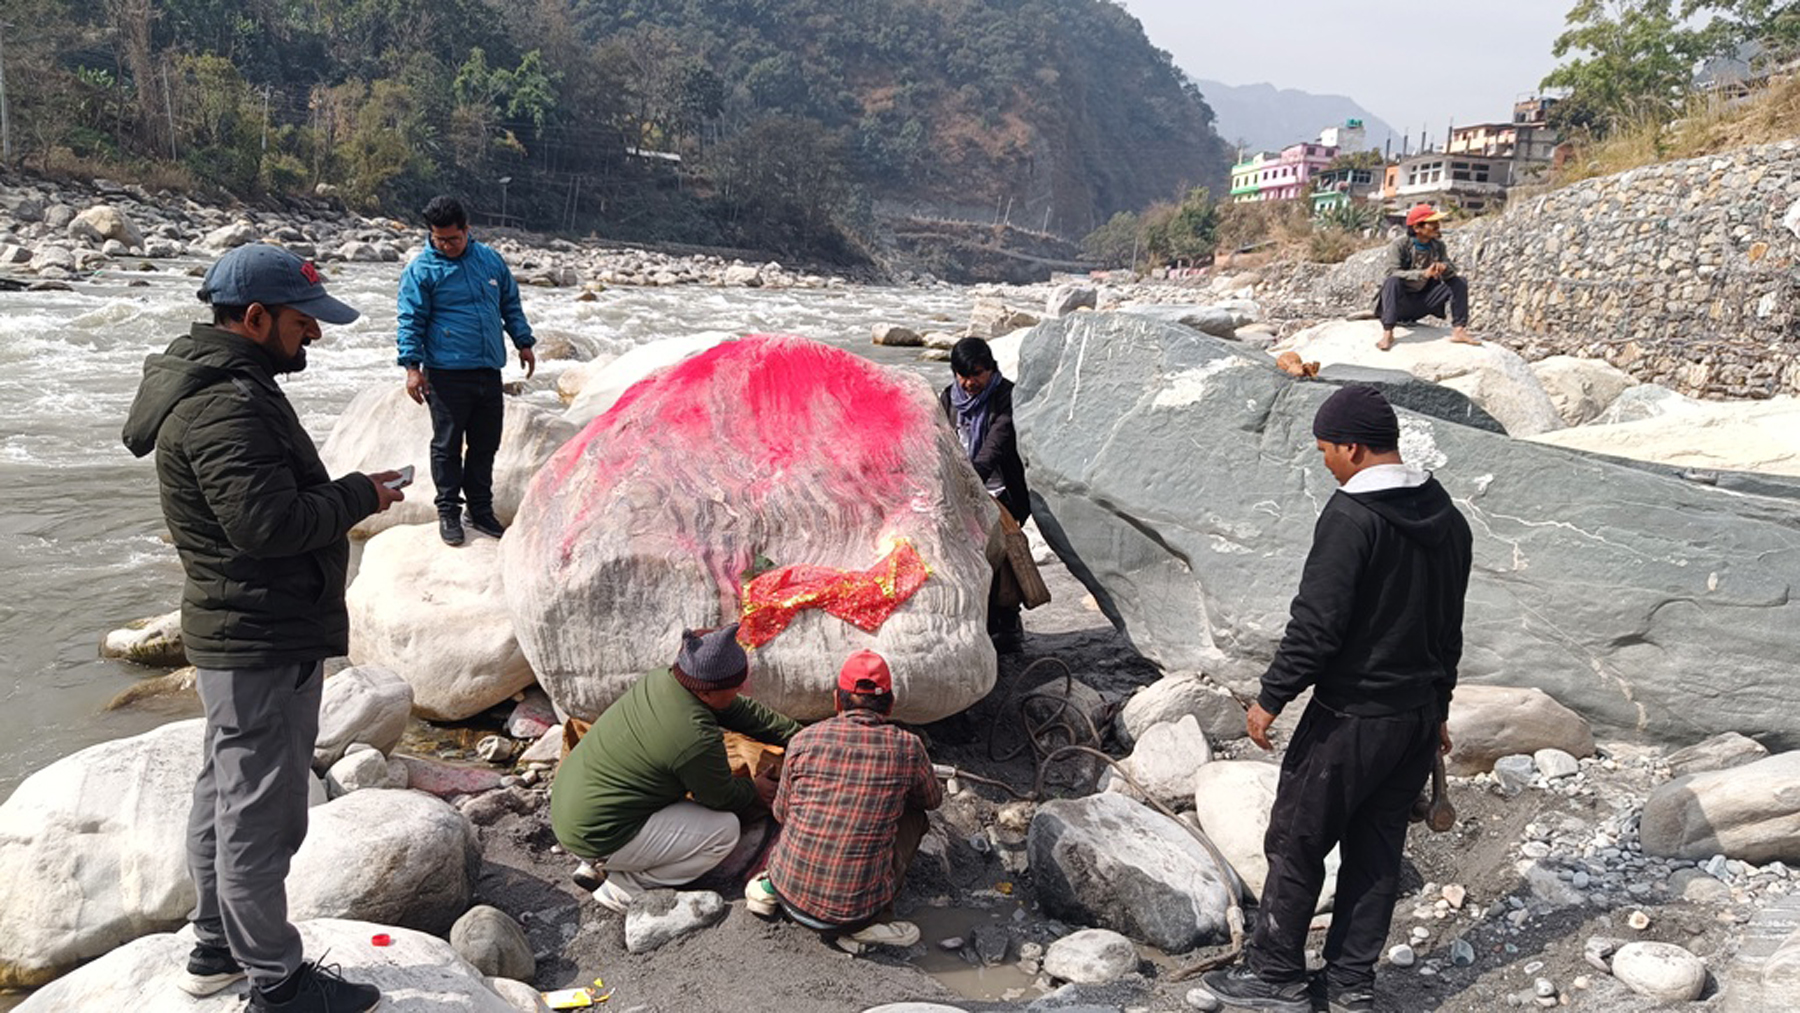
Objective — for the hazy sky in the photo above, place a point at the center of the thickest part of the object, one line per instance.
(1481, 55)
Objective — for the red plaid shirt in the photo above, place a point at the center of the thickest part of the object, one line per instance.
(844, 784)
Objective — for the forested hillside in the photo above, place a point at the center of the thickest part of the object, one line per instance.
(778, 124)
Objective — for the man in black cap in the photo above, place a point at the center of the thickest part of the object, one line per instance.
(649, 790)
(263, 532)
(1376, 631)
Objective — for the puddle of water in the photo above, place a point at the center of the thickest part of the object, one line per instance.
(971, 981)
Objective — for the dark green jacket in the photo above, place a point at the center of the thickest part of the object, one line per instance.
(654, 746)
(262, 530)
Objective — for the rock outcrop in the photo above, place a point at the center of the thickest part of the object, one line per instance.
(1750, 813)
(1180, 482)
(741, 457)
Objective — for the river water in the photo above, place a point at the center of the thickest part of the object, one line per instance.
(81, 533)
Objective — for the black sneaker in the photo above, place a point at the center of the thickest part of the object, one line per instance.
(1359, 999)
(1239, 987)
(450, 528)
(487, 524)
(318, 988)
(209, 969)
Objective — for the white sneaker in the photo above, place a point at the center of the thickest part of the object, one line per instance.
(901, 934)
(759, 897)
(614, 895)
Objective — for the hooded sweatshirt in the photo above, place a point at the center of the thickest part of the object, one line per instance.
(1376, 627)
(262, 530)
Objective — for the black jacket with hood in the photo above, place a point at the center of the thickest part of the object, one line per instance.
(1376, 627)
(999, 450)
(262, 530)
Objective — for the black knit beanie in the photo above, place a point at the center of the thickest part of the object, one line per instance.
(1358, 414)
(711, 660)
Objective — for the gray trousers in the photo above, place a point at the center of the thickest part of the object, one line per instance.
(249, 813)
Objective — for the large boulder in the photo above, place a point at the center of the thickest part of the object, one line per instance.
(1164, 762)
(1176, 696)
(154, 642)
(488, 938)
(1581, 388)
(1721, 752)
(1107, 861)
(1493, 376)
(602, 387)
(1218, 321)
(93, 852)
(1751, 813)
(436, 615)
(103, 222)
(1179, 480)
(382, 429)
(389, 855)
(1488, 722)
(649, 521)
(1759, 436)
(415, 972)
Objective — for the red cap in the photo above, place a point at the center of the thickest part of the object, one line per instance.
(865, 672)
(1423, 213)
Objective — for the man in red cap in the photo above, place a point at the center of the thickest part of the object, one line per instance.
(1422, 280)
(854, 791)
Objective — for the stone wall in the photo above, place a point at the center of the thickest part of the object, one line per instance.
(1683, 274)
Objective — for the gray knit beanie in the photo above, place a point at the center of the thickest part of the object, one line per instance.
(711, 660)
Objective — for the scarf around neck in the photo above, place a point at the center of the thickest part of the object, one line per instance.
(972, 413)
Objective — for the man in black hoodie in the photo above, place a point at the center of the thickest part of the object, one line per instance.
(1376, 631)
(263, 533)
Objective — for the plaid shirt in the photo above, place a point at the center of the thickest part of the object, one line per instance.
(844, 785)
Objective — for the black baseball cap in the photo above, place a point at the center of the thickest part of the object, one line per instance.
(260, 273)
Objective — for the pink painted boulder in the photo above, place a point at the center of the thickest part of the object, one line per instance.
(768, 451)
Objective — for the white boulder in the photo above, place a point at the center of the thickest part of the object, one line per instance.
(382, 429)
(93, 852)
(436, 615)
(366, 704)
(1232, 800)
(1581, 388)
(393, 856)
(1492, 376)
(1760, 436)
(1661, 972)
(103, 222)
(416, 972)
(1488, 722)
(1165, 761)
(154, 642)
(1750, 813)
(1091, 956)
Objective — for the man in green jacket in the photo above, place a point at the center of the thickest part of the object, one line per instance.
(263, 534)
(649, 789)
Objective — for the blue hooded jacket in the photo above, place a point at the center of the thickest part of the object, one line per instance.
(452, 310)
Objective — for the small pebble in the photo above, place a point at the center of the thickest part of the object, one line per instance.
(1454, 894)
(1420, 933)
(1544, 987)
(1461, 953)
(950, 943)
(1638, 920)
(1402, 956)
(1201, 999)
(1534, 967)
(1581, 981)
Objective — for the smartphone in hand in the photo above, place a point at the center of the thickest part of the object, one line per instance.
(405, 479)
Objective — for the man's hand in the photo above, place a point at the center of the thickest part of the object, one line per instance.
(384, 496)
(528, 359)
(1435, 271)
(765, 789)
(1444, 738)
(416, 386)
(1257, 723)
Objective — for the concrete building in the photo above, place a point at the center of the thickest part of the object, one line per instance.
(1449, 180)
(1289, 177)
(1246, 177)
(1338, 187)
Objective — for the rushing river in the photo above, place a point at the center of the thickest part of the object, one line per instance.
(81, 534)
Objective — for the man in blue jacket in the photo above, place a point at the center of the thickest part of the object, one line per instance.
(455, 297)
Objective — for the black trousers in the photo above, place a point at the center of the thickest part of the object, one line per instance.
(467, 409)
(1398, 303)
(1350, 782)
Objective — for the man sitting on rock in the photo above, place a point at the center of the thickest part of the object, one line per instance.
(648, 790)
(1376, 631)
(852, 802)
(1422, 279)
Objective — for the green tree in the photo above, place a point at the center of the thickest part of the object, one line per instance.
(221, 123)
(1115, 243)
(1184, 231)
(1627, 61)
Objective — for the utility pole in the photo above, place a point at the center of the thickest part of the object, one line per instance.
(5, 120)
(169, 106)
(265, 132)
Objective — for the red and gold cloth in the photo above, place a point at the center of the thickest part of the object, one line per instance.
(863, 599)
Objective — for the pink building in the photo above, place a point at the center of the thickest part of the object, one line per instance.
(1286, 178)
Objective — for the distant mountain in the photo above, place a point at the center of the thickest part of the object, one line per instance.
(1262, 117)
